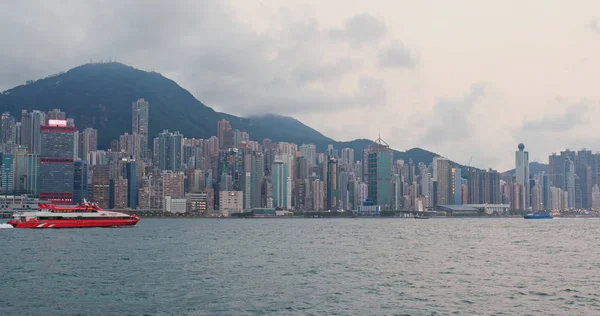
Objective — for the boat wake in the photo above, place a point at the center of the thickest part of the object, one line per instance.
(6, 226)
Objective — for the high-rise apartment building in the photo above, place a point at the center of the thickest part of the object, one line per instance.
(170, 151)
(132, 145)
(7, 128)
(88, 142)
(569, 167)
(140, 116)
(55, 114)
(118, 193)
(101, 185)
(30, 129)
(347, 157)
(318, 194)
(309, 151)
(173, 184)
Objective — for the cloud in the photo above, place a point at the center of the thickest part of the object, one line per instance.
(227, 64)
(450, 120)
(571, 117)
(372, 91)
(397, 55)
(594, 25)
(361, 29)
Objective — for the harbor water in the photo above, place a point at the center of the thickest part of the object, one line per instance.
(305, 267)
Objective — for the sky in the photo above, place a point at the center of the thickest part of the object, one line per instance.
(460, 78)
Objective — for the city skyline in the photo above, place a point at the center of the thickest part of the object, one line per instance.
(413, 71)
(65, 166)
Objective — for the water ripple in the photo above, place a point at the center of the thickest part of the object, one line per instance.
(304, 267)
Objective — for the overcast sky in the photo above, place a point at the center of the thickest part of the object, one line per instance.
(460, 78)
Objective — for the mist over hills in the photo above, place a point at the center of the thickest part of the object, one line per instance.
(99, 95)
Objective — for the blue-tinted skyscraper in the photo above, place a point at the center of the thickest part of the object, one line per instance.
(231, 163)
(80, 181)
(132, 184)
(379, 171)
(8, 173)
(170, 151)
(281, 183)
(456, 186)
(32, 183)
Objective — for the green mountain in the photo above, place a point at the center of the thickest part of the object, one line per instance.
(534, 167)
(100, 96)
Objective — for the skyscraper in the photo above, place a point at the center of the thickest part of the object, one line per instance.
(8, 173)
(569, 166)
(118, 193)
(456, 185)
(132, 184)
(347, 157)
(32, 183)
(522, 173)
(332, 184)
(494, 187)
(309, 151)
(131, 144)
(55, 114)
(88, 141)
(170, 151)
(30, 129)
(442, 177)
(7, 128)
(474, 187)
(318, 193)
(281, 185)
(56, 162)
(173, 183)
(139, 123)
(257, 173)
(80, 181)
(101, 185)
(223, 127)
(379, 174)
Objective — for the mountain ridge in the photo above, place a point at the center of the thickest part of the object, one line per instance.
(99, 95)
(534, 167)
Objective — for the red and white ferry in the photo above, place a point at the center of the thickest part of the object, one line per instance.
(83, 215)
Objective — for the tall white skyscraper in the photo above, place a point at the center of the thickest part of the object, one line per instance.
(522, 172)
(139, 123)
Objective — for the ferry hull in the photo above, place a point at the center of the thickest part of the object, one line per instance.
(65, 223)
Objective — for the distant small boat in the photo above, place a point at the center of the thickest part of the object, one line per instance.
(421, 217)
(538, 215)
